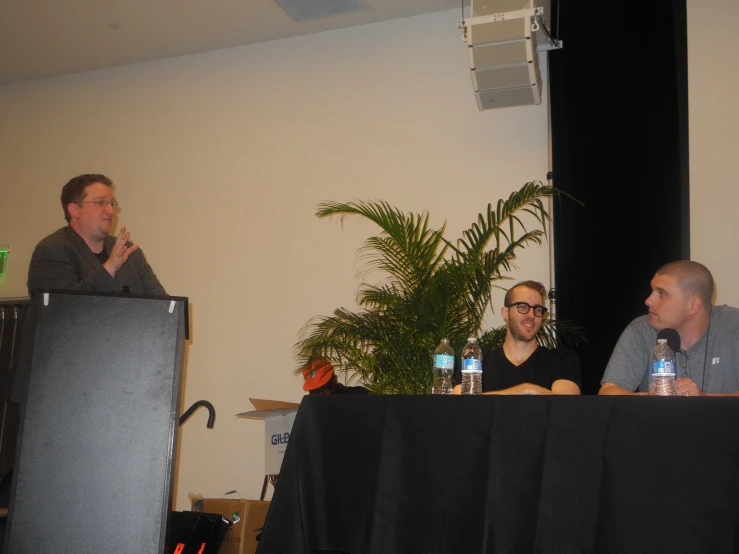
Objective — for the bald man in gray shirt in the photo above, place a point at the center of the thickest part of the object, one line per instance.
(708, 359)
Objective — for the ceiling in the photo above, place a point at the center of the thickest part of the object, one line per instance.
(48, 38)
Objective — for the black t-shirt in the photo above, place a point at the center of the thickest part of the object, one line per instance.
(542, 368)
(102, 257)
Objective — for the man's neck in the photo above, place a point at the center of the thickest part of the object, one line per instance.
(692, 331)
(518, 351)
(96, 246)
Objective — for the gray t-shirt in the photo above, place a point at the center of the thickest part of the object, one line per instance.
(715, 371)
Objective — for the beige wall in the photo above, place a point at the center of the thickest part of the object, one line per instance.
(221, 159)
(713, 45)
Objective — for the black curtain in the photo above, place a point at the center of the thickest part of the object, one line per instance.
(620, 146)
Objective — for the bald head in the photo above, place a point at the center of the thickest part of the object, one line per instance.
(692, 278)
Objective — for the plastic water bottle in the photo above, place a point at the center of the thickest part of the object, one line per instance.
(443, 368)
(663, 370)
(471, 367)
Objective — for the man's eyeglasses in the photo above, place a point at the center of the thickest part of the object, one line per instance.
(524, 308)
(101, 203)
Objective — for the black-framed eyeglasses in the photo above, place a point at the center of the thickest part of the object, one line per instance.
(524, 308)
(101, 203)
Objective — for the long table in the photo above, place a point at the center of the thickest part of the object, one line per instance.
(496, 474)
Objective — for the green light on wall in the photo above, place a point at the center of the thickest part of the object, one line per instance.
(4, 251)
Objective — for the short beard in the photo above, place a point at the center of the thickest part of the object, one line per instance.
(516, 333)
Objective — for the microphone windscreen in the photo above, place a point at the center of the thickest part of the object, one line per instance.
(672, 336)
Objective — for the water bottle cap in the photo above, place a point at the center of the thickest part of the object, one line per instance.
(472, 339)
(661, 341)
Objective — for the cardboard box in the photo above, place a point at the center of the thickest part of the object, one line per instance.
(250, 516)
(278, 419)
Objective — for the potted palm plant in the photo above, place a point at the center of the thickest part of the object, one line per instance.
(432, 288)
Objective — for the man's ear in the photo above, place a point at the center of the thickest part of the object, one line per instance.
(73, 210)
(504, 313)
(695, 305)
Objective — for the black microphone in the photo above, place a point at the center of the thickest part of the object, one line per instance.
(672, 336)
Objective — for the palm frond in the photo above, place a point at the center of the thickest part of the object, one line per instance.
(430, 288)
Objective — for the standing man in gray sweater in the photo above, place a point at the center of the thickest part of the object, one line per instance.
(83, 256)
(708, 358)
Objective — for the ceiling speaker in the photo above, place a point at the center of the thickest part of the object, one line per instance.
(503, 49)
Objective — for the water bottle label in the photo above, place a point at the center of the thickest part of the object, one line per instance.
(471, 364)
(444, 361)
(663, 367)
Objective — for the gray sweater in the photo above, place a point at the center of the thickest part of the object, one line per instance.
(64, 261)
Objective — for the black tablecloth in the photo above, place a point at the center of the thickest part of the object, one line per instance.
(458, 475)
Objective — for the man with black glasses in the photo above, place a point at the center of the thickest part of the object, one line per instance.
(521, 366)
(83, 255)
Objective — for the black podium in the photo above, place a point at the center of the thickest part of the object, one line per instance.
(95, 463)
